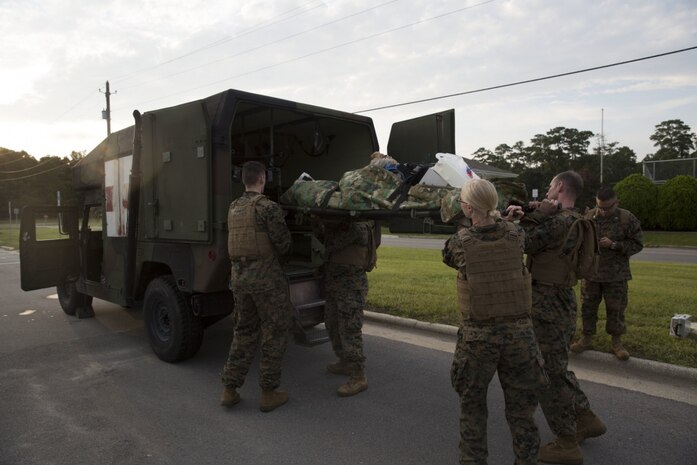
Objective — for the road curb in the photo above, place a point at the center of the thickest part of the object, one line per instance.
(602, 361)
(411, 323)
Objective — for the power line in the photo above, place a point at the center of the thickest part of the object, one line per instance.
(27, 169)
(318, 52)
(11, 161)
(528, 81)
(292, 36)
(35, 174)
(212, 44)
(83, 100)
(258, 27)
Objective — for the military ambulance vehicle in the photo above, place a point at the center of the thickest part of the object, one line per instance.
(152, 231)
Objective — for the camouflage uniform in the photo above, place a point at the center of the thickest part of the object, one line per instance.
(554, 320)
(610, 282)
(505, 345)
(346, 288)
(262, 302)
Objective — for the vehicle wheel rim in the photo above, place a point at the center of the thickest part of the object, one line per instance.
(162, 325)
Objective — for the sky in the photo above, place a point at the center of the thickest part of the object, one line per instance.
(350, 55)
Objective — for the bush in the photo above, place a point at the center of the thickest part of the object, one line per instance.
(640, 196)
(677, 202)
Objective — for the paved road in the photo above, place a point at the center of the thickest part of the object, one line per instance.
(90, 391)
(649, 254)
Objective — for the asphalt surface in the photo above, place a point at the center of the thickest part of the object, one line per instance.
(91, 391)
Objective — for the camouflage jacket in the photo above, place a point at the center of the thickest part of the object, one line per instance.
(624, 230)
(545, 232)
(264, 274)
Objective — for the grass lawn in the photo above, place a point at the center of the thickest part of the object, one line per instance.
(414, 283)
(9, 235)
(668, 238)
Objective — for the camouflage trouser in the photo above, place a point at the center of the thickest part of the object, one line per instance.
(508, 348)
(615, 296)
(260, 319)
(343, 313)
(554, 320)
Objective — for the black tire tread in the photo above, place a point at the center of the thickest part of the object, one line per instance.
(187, 327)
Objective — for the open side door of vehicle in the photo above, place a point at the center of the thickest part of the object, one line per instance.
(48, 246)
(418, 140)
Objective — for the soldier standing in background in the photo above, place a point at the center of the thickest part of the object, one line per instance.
(563, 403)
(620, 238)
(257, 235)
(349, 254)
(496, 333)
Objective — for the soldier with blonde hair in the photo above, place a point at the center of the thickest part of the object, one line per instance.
(496, 333)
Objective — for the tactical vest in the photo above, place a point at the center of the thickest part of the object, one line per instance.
(245, 242)
(495, 284)
(358, 255)
(549, 266)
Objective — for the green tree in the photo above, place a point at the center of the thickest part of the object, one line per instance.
(640, 196)
(674, 139)
(553, 152)
(516, 155)
(490, 158)
(677, 201)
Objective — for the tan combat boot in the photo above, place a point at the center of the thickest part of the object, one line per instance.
(340, 367)
(564, 450)
(358, 382)
(588, 425)
(585, 343)
(618, 349)
(230, 397)
(272, 399)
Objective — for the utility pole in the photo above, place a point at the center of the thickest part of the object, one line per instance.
(602, 142)
(106, 114)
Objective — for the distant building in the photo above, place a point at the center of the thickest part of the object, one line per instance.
(487, 171)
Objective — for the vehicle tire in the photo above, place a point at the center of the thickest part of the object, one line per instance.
(175, 333)
(70, 298)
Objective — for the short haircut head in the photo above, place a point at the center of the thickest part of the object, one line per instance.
(252, 171)
(572, 181)
(605, 193)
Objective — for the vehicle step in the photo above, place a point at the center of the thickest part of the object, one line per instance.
(310, 304)
(312, 336)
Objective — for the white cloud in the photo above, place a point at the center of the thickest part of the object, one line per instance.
(57, 53)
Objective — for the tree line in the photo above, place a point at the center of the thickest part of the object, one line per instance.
(562, 149)
(24, 180)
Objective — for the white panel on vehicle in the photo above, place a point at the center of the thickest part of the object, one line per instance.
(116, 180)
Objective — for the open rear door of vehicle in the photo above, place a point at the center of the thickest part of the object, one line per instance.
(418, 140)
(48, 246)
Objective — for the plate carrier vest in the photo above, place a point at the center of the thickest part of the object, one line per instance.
(358, 255)
(550, 266)
(245, 242)
(495, 283)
